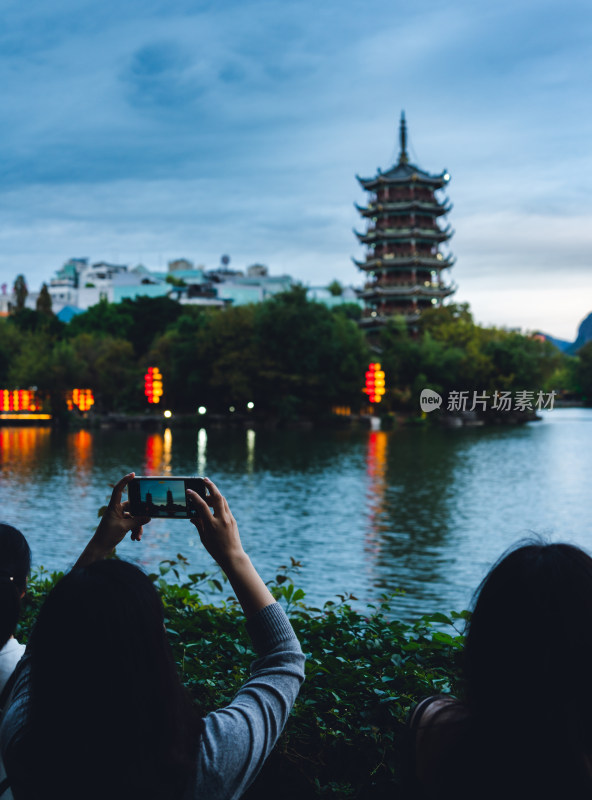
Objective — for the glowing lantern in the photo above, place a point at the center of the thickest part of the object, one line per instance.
(17, 400)
(82, 399)
(375, 386)
(153, 385)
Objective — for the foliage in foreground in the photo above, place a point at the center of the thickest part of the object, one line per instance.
(365, 670)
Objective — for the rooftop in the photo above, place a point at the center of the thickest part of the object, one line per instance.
(403, 171)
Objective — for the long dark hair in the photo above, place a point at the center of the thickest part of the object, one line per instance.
(109, 716)
(15, 565)
(528, 662)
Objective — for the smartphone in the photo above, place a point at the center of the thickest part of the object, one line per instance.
(163, 496)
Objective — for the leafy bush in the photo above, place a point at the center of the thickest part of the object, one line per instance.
(365, 671)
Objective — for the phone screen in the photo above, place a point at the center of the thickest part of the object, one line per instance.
(163, 496)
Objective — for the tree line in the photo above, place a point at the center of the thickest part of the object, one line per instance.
(290, 356)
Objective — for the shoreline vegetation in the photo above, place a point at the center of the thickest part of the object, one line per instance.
(295, 361)
(346, 737)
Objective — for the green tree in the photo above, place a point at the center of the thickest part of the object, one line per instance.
(584, 372)
(349, 310)
(139, 320)
(20, 291)
(51, 366)
(109, 368)
(29, 320)
(525, 362)
(451, 352)
(10, 344)
(44, 301)
(335, 288)
(235, 355)
(311, 358)
(287, 355)
(174, 281)
(151, 316)
(184, 353)
(565, 378)
(102, 318)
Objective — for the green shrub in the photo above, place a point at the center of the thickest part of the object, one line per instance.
(365, 671)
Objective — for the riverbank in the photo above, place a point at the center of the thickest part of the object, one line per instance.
(346, 736)
(154, 421)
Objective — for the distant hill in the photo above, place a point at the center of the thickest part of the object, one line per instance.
(584, 335)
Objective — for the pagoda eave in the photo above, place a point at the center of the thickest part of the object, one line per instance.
(404, 292)
(406, 262)
(395, 235)
(431, 182)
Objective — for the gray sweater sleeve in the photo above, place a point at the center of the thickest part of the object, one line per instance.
(237, 739)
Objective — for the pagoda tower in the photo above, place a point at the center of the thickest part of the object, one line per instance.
(403, 262)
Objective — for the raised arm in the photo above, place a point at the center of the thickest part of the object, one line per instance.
(114, 524)
(218, 532)
(237, 739)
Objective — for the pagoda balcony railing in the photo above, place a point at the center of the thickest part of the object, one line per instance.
(407, 290)
(387, 237)
(432, 208)
(393, 258)
(415, 283)
(412, 232)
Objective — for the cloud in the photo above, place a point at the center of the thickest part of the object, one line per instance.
(488, 244)
(152, 129)
(162, 75)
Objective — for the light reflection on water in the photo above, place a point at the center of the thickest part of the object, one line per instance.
(425, 511)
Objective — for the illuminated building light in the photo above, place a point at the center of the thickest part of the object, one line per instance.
(344, 411)
(24, 416)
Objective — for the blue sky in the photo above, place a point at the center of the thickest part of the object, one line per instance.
(146, 131)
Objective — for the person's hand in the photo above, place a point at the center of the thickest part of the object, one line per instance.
(218, 531)
(115, 523)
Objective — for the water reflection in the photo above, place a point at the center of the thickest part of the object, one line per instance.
(250, 450)
(21, 449)
(202, 444)
(376, 471)
(153, 455)
(410, 513)
(365, 511)
(80, 449)
(167, 449)
(158, 453)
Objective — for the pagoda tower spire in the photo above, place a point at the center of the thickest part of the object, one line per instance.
(403, 157)
(403, 263)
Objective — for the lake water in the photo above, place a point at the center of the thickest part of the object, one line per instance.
(422, 510)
